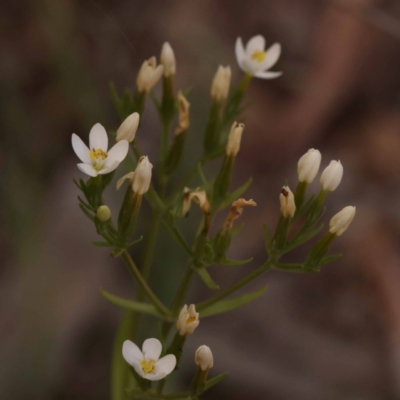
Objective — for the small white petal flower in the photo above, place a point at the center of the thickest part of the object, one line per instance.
(96, 160)
(342, 220)
(167, 59)
(140, 179)
(149, 75)
(234, 139)
(188, 320)
(127, 130)
(288, 206)
(204, 358)
(308, 166)
(147, 363)
(221, 83)
(255, 60)
(331, 176)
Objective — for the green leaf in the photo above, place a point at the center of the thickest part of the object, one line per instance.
(305, 237)
(234, 263)
(212, 382)
(130, 305)
(236, 194)
(231, 304)
(267, 238)
(290, 267)
(202, 176)
(135, 241)
(206, 278)
(86, 212)
(329, 259)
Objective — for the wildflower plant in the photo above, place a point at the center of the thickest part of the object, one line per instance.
(135, 371)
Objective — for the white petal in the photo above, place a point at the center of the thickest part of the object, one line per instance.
(87, 169)
(268, 75)
(131, 353)
(98, 138)
(239, 50)
(155, 377)
(250, 66)
(80, 148)
(166, 364)
(152, 349)
(273, 54)
(129, 176)
(108, 167)
(119, 151)
(256, 43)
(138, 369)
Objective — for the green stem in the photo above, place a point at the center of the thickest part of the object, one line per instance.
(143, 284)
(236, 286)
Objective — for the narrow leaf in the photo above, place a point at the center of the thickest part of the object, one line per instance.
(212, 382)
(305, 237)
(86, 212)
(329, 259)
(206, 278)
(234, 263)
(231, 304)
(131, 305)
(291, 267)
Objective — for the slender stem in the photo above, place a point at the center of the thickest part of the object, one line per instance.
(143, 284)
(236, 286)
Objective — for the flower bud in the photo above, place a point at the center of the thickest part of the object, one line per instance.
(235, 136)
(221, 83)
(183, 122)
(331, 176)
(204, 358)
(308, 166)
(128, 128)
(200, 197)
(103, 213)
(149, 74)
(188, 320)
(167, 59)
(288, 206)
(142, 177)
(342, 220)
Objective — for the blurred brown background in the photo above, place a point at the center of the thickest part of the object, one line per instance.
(328, 336)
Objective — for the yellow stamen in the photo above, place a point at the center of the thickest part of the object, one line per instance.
(95, 154)
(148, 365)
(259, 55)
(190, 320)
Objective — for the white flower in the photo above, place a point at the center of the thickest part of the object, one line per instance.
(167, 59)
(188, 320)
(288, 206)
(149, 75)
(234, 139)
(147, 363)
(96, 160)
(255, 60)
(141, 178)
(308, 166)
(204, 358)
(128, 128)
(342, 220)
(331, 176)
(221, 83)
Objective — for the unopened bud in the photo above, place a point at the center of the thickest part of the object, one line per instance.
(128, 128)
(288, 206)
(331, 176)
(103, 213)
(167, 59)
(149, 75)
(235, 136)
(183, 122)
(308, 166)
(188, 320)
(221, 83)
(142, 177)
(204, 358)
(342, 220)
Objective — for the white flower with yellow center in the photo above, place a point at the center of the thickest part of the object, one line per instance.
(188, 320)
(96, 160)
(255, 60)
(147, 363)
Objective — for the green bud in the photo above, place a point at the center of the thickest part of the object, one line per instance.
(318, 252)
(103, 213)
(223, 180)
(213, 129)
(128, 213)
